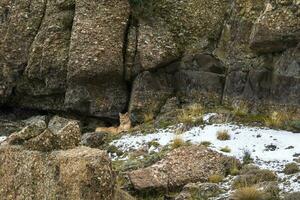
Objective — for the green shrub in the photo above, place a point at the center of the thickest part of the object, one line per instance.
(206, 143)
(226, 149)
(247, 159)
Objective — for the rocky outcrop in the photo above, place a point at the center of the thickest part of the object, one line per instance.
(77, 174)
(166, 30)
(100, 58)
(60, 133)
(181, 166)
(95, 70)
(19, 24)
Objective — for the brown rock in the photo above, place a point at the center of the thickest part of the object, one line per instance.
(181, 166)
(19, 23)
(77, 174)
(44, 142)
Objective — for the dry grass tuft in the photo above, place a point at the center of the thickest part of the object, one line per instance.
(148, 117)
(215, 178)
(177, 142)
(247, 193)
(223, 135)
(276, 119)
(192, 115)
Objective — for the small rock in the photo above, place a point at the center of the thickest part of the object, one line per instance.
(93, 140)
(199, 191)
(270, 147)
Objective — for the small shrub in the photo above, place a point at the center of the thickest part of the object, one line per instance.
(215, 178)
(226, 149)
(234, 171)
(177, 142)
(291, 168)
(247, 193)
(223, 135)
(153, 143)
(275, 119)
(206, 143)
(231, 165)
(247, 159)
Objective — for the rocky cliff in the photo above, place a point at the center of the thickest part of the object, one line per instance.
(100, 57)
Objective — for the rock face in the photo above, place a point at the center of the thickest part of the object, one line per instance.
(78, 174)
(100, 58)
(95, 71)
(181, 166)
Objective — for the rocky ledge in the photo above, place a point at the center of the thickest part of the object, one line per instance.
(99, 58)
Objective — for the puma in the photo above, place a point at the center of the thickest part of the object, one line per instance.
(125, 125)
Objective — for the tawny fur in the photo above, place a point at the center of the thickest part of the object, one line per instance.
(125, 125)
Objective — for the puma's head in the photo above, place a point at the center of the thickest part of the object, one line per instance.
(124, 119)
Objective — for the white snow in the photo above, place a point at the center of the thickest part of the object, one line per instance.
(243, 138)
(2, 138)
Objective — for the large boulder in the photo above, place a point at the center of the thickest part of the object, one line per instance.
(77, 174)
(60, 133)
(181, 166)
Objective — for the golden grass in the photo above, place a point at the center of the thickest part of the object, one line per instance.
(247, 193)
(191, 114)
(215, 178)
(223, 135)
(276, 119)
(148, 117)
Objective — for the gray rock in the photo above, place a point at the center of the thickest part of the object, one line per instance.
(93, 140)
(292, 196)
(199, 191)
